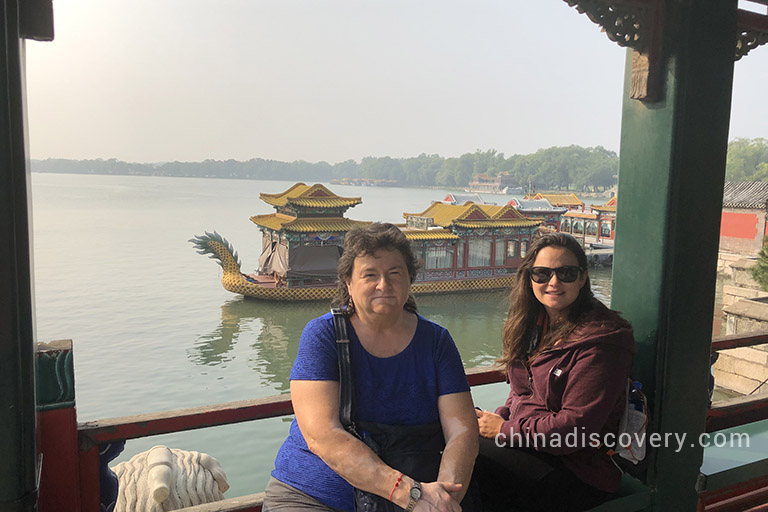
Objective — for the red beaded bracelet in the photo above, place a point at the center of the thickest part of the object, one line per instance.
(395, 487)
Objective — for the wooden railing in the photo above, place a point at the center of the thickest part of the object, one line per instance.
(725, 414)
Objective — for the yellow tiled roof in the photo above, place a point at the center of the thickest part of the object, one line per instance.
(337, 224)
(278, 221)
(440, 213)
(609, 206)
(581, 215)
(474, 215)
(314, 196)
(558, 199)
(273, 221)
(512, 223)
(429, 234)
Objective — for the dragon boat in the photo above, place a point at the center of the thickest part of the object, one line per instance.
(463, 248)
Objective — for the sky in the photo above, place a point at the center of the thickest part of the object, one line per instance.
(332, 80)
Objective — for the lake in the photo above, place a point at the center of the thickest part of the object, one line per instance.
(154, 330)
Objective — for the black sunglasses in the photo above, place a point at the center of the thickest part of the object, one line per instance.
(567, 274)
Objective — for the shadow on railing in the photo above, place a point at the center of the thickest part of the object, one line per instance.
(721, 495)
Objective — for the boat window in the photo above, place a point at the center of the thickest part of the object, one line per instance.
(523, 248)
(565, 226)
(499, 253)
(460, 254)
(439, 257)
(479, 253)
(605, 229)
(512, 249)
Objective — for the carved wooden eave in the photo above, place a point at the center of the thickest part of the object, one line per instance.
(638, 24)
(633, 24)
(753, 30)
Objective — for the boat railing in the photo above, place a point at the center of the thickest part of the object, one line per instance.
(721, 493)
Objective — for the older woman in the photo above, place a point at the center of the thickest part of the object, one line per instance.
(407, 371)
(567, 358)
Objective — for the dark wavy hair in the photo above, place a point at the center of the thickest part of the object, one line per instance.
(360, 241)
(524, 308)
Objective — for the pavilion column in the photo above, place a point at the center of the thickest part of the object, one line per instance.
(19, 20)
(671, 174)
(18, 473)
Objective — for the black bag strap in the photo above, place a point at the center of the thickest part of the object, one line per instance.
(346, 381)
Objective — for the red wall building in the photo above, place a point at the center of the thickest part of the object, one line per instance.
(743, 221)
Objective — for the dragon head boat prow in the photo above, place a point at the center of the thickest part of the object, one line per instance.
(218, 248)
(258, 286)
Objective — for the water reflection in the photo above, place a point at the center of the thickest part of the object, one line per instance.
(473, 319)
(269, 332)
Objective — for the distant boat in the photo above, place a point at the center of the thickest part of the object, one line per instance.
(468, 247)
(501, 184)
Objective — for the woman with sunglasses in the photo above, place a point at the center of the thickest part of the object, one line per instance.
(567, 359)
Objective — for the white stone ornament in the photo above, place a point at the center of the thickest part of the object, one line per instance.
(163, 479)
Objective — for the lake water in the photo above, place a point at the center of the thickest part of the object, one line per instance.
(154, 330)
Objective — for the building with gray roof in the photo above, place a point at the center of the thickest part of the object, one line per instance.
(743, 222)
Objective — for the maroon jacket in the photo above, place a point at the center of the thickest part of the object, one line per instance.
(579, 388)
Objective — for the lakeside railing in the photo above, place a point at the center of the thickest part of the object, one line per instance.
(729, 490)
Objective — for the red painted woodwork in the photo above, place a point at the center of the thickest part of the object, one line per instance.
(511, 213)
(737, 412)
(132, 427)
(735, 498)
(739, 340)
(90, 492)
(59, 482)
(739, 225)
(476, 214)
(485, 375)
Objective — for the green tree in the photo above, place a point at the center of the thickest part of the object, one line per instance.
(760, 271)
(384, 168)
(746, 160)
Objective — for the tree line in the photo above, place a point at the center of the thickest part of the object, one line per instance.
(557, 168)
(565, 168)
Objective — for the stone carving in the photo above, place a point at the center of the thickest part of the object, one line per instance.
(163, 479)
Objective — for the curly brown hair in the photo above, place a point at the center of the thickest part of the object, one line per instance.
(524, 308)
(360, 241)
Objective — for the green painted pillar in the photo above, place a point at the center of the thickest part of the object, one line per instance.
(671, 174)
(18, 469)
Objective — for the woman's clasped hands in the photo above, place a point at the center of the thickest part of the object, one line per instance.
(489, 423)
(438, 496)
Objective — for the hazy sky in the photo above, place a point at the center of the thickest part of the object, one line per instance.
(161, 80)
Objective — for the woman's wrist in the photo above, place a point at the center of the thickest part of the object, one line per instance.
(397, 484)
(402, 494)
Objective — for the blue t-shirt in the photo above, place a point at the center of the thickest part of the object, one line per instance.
(398, 390)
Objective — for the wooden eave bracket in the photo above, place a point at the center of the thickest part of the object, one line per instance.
(753, 31)
(638, 24)
(635, 24)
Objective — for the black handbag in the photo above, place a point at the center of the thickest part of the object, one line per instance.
(412, 450)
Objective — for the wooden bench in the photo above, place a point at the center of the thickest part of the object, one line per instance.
(249, 503)
(633, 496)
